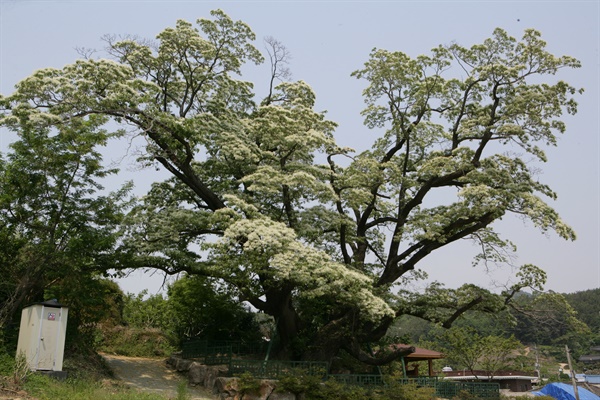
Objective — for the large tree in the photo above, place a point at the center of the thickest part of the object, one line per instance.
(263, 198)
(58, 231)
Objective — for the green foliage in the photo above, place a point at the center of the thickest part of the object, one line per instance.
(21, 370)
(334, 390)
(45, 388)
(58, 227)
(549, 319)
(247, 383)
(194, 307)
(312, 387)
(397, 391)
(145, 311)
(91, 300)
(135, 342)
(14, 370)
(466, 348)
(87, 379)
(200, 307)
(464, 395)
(587, 306)
(182, 391)
(327, 250)
(298, 381)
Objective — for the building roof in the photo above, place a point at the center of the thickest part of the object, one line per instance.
(420, 354)
(590, 358)
(482, 375)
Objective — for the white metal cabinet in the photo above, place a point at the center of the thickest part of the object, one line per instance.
(42, 335)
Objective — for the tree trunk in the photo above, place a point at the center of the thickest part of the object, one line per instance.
(288, 324)
(327, 344)
(347, 333)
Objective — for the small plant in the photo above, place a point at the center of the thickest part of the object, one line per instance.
(182, 391)
(247, 383)
(464, 395)
(20, 370)
(297, 381)
(401, 391)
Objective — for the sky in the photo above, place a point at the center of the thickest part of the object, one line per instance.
(328, 40)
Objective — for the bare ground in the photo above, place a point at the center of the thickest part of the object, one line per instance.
(153, 376)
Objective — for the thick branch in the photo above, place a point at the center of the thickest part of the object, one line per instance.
(352, 346)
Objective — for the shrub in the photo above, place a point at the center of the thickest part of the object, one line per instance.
(297, 381)
(399, 391)
(247, 383)
(135, 342)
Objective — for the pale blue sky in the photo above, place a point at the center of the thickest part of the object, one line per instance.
(330, 39)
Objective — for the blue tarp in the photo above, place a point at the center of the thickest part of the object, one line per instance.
(562, 391)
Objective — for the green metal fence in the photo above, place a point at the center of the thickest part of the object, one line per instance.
(199, 348)
(479, 390)
(443, 389)
(274, 369)
(358, 379)
(421, 381)
(223, 352)
(217, 355)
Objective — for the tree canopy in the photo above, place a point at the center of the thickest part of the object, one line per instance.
(262, 197)
(58, 229)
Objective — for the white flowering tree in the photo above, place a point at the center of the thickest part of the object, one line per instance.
(323, 247)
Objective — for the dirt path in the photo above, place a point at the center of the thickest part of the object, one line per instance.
(152, 375)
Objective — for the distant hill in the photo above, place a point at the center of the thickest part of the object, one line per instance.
(587, 305)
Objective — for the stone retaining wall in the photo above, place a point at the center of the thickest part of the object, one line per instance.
(214, 378)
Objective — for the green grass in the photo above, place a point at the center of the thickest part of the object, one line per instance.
(46, 388)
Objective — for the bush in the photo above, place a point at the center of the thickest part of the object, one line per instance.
(247, 383)
(313, 388)
(297, 381)
(399, 391)
(7, 363)
(135, 342)
(465, 395)
(333, 390)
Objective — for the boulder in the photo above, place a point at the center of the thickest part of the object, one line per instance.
(182, 365)
(197, 373)
(226, 385)
(172, 360)
(211, 375)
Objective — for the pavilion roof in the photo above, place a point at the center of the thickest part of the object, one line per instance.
(419, 354)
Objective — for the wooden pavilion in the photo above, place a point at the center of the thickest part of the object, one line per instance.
(420, 354)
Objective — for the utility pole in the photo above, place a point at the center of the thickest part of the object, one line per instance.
(572, 373)
(537, 365)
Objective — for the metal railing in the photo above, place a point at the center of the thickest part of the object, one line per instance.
(443, 389)
(274, 369)
(478, 389)
(358, 379)
(199, 348)
(223, 352)
(421, 381)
